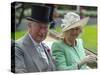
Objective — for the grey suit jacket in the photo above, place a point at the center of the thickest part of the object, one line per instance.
(27, 59)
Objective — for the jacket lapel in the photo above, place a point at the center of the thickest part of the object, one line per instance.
(50, 60)
(36, 58)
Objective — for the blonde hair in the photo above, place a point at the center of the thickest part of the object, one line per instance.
(65, 34)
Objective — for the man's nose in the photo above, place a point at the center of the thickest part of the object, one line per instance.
(43, 30)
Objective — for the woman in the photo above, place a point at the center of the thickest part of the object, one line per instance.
(68, 52)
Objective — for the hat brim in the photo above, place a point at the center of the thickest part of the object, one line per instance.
(81, 23)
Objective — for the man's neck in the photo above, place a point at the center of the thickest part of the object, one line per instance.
(33, 39)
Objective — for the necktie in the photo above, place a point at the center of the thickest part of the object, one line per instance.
(42, 53)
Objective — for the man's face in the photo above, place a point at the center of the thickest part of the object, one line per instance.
(38, 31)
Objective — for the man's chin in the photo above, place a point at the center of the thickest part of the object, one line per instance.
(40, 40)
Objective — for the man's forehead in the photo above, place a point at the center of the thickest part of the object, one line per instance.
(40, 24)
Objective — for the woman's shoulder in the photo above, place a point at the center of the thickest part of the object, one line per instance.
(57, 44)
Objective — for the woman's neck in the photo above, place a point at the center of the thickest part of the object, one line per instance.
(70, 41)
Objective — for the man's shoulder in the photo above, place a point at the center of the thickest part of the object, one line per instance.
(21, 40)
(19, 43)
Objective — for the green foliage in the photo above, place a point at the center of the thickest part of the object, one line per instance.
(90, 37)
(18, 34)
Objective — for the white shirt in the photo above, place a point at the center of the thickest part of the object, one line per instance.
(39, 48)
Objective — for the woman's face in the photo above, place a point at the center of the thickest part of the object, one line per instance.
(74, 32)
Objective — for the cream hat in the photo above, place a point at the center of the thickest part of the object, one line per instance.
(72, 20)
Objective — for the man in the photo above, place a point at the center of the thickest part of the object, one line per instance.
(31, 55)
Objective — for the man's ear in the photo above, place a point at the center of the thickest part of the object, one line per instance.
(29, 25)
